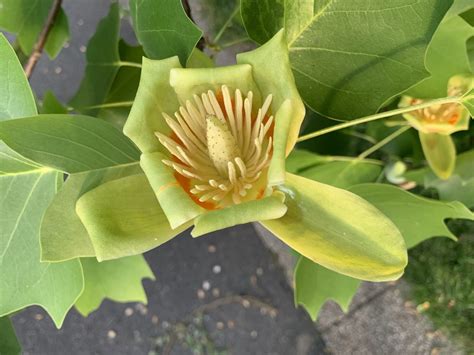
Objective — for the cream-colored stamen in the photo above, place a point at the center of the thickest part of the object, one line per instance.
(221, 147)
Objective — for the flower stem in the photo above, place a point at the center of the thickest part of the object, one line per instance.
(383, 142)
(226, 24)
(111, 105)
(378, 116)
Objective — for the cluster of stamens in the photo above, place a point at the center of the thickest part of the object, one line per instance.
(441, 114)
(219, 146)
(445, 113)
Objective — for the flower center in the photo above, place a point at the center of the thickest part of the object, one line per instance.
(441, 114)
(221, 147)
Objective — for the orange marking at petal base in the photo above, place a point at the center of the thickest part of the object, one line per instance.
(260, 193)
(164, 187)
(454, 118)
(186, 185)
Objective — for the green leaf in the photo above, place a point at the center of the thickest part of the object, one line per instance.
(68, 143)
(270, 207)
(340, 231)
(25, 281)
(9, 344)
(119, 280)
(459, 187)
(51, 104)
(124, 86)
(300, 159)
(199, 59)
(124, 218)
(63, 235)
(16, 98)
(26, 191)
(103, 61)
(164, 29)
(314, 285)
(416, 217)
(344, 173)
(27, 19)
(350, 57)
(446, 57)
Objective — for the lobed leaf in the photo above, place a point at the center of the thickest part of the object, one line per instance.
(314, 285)
(119, 280)
(164, 29)
(103, 61)
(446, 57)
(367, 51)
(416, 217)
(26, 190)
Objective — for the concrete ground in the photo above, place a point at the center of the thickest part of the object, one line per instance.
(224, 293)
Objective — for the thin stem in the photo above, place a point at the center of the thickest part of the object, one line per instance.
(43, 36)
(110, 105)
(130, 64)
(383, 142)
(378, 116)
(226, 25)
(234, 42)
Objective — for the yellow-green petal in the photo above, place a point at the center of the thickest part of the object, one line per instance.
(277, 170)
(272, 72)
(154, 96)
(440, 153)
(195, 81)
(124, 218)
(340, 231)
(270, 207)
(178, 207)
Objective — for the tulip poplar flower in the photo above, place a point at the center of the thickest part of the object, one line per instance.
(214, 143)
(435, 125)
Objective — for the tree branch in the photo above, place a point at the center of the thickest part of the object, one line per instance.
(43, 36)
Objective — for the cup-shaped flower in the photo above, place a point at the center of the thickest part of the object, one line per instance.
(214, 143)
(436, 123)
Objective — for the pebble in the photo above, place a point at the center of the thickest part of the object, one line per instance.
(220, 325)
(246, 303)
(39, 316)
(230, 324)
(253, 334)
(111, 334)
(128, 311)
(201, 294)
(216, 292)
(141, 308)
(216, 269)
(58, 70)
(211, 248)
(259, 271)
(206, 285)
(82, 49)
(154, 319)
